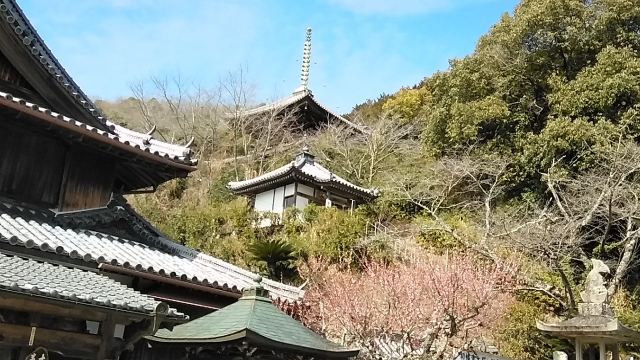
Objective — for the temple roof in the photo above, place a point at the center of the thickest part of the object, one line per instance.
(45, 280)
(256, 320)
(303, 167)
(69, 235)
(143, 143)
(302, 98)
(302, 104)
(43, 71)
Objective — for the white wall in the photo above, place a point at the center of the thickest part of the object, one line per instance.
(305, 189)
(290, 189)
(264, 201)
(278, 200)
(273, 200)
(301, 202)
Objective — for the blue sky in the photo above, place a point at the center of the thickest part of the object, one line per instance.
(360, 48)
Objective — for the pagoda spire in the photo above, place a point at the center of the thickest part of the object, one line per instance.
(306, 60)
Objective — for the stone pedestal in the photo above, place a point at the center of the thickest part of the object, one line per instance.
(594, 309)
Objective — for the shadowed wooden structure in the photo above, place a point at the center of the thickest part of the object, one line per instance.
(82, 275)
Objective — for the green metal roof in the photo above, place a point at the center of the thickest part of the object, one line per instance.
(254, 318)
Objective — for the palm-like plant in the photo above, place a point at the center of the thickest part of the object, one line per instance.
(278, 256)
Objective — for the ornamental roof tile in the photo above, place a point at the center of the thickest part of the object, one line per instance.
(27, 35)
(254, 318)
(46, 280)
(305, 164)
(67, 235)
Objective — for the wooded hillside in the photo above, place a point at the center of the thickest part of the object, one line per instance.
(500, 178)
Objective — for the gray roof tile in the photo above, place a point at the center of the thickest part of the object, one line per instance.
(309, 168)
(40, 230)
(68, 284)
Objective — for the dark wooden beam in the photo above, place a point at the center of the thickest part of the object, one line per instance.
(107, 330)
(68, 343)
(72, 311)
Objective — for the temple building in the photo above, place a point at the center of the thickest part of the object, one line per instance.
(83, 275)
(298, 183)
(252, 325)
(307, 112)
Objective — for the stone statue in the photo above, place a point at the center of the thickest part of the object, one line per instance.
(595, 291)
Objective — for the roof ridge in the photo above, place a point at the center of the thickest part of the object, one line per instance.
(29, 36)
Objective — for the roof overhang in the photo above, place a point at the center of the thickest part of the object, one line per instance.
(294, 174)
(70, 125)
(302, 101)
(30, 56)
(256, 340)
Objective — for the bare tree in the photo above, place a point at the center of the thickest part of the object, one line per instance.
(582, 215)
(186, 109)
(364, 155)
(237, 96)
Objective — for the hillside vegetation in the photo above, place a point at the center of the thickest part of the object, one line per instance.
(501, 177)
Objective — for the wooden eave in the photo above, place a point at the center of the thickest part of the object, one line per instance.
(295, 174)
(136, 169)
(56, 94)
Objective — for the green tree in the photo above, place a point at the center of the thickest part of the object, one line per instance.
(557, 79)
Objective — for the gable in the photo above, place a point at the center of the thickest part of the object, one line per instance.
(11, 81)
(28, 54)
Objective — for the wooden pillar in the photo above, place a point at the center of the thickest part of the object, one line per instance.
(615, 355)
(578, 349)
(107, 330)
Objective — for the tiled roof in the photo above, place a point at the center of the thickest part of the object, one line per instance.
(28, 36)
(254, 318)
(127, 137)
(66, 235)
(307, 166)
(295, 97)
(42, 279)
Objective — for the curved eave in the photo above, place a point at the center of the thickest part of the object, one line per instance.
(298, 100)
(258, 340)
(28, 52)
(49, 117)
(296, 174)
(613, 330)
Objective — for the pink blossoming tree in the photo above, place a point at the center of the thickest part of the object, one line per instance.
(423, 308)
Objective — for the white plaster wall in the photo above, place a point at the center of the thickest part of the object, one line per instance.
(305, 189)
(289, 189)
(264, 201)
(301, 202)
(278, 200)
